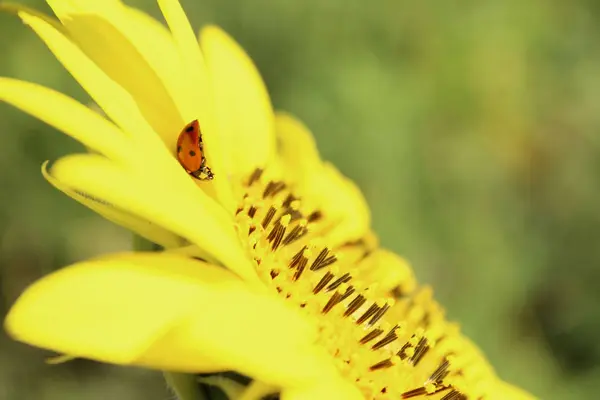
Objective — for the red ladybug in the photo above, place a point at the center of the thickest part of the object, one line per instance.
(190, 152)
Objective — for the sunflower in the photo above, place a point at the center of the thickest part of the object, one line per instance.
(268, 266)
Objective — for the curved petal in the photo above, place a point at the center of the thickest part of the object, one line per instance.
(243, 109)
(142, 227)
(321, 183)
(67, 115)
(90, 309)
(133, 53)
(344, 201)
(175, 205)
(387, 271)
(117, 103)
(168, 312)
(200, 101)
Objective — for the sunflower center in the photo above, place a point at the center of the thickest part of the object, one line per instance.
(392, 345)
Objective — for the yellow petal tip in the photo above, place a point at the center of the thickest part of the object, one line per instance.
(212, 29)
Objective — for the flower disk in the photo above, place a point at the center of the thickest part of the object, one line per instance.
(391, 343)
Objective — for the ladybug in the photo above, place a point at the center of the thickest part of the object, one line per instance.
(190, 152)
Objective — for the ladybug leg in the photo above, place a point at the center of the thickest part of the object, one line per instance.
(204, 173)
(207, 171)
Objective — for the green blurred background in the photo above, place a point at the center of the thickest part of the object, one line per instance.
(472, 128)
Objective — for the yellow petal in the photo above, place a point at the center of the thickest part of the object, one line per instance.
(140, 226)
(130, 91)
(188, 213)
(389, 271)
(200, 100)
(191, 58)
(321, 183)
(143, 145)
(117, 103)
(99, 135)
(146, 90)
(335, 389)
(93, 310)
(67, 115)
(296, 147)
(343, 200)
(134, 53)
(168, 312)
(244, 114)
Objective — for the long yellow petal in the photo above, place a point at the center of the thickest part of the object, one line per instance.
(117, 103)
(142, 227)
(200, 100)
(131, 51)
(242, 105)
(90, 310)
(190, 56)
(188, 213)
(167, 312)
(321, 183)
(67, 115)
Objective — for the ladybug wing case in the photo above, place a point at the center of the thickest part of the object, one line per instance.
(189, 147)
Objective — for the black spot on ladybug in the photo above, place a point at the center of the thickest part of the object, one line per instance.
(179, 149)
(189, 128)
(192, 153)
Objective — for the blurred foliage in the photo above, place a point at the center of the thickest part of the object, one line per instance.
(472, 128)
